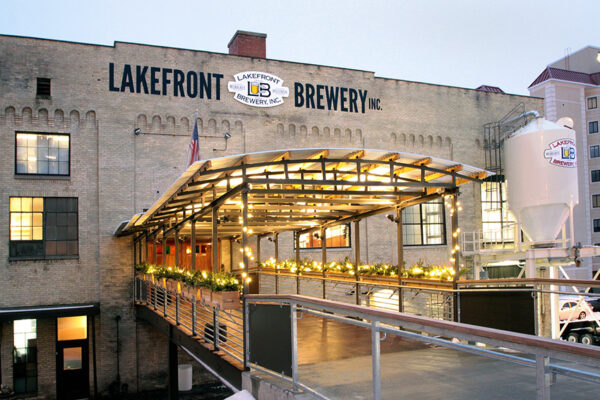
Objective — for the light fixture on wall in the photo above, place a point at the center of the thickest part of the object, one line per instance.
(391, 218)
(137, 131)
(226, 136)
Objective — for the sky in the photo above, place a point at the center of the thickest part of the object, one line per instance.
(464, 43)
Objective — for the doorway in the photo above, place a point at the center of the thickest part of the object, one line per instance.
(72, 358)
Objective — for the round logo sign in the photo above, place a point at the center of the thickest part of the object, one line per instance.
(562, 153)
(258, 89)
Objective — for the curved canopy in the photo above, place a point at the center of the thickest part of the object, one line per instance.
(300, 189)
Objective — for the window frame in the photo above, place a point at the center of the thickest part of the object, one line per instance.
(49, 176)
(592, 100)
(423, 225)
(329, 247)
(42, 82)
(45, 240)
(592, 180)
(594, 151)
(596, 225)
(596, 201)
(592, 127)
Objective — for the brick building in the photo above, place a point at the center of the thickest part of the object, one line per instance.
(95, 134)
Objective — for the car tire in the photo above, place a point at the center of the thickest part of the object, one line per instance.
(572, 337)
(587, 339)
(582, 315)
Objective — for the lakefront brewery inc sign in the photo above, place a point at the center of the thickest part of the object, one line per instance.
(258, 89)
(562, 153)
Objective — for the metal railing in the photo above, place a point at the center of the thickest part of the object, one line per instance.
(531, 351)
(222, 329)
(419, 299)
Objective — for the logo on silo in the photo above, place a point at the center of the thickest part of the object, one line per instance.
(258, 89)
(562, 153)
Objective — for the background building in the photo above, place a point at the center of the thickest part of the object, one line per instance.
(94, 134)
(570, 87)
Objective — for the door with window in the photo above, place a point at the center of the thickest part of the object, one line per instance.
(72, 358)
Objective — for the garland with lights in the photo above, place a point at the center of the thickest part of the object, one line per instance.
(418, 270)
(215, 281)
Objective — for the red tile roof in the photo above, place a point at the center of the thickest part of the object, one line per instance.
(486, 88)
(565, 75)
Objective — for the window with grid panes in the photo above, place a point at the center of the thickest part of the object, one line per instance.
(595, 151)
(43, 227)
(336, 237)
(592, 102)
(424, 224)
(42, 154)
(497, 221)
(596, 175)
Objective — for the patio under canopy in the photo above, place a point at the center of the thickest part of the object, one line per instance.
(298, 190)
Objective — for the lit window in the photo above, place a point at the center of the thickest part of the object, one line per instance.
(71, 328)
(424, 224)
(593, 127)
(497, 221)
(43, 227)
(25, 356)
(595, 151)
(592, 102)
(42, 154)
(336, 236)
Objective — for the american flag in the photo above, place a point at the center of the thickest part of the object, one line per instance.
(194, 147)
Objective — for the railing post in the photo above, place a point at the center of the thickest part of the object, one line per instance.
(246, 326)
(216, 327)
(543, 377)
(154, 296)
(177, 300)
(294, 322)
(194, 332)
(376, 359)
(165, 301)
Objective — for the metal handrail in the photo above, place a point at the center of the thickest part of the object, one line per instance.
(420, 328)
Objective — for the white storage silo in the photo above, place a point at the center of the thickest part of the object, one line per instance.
(541, 177)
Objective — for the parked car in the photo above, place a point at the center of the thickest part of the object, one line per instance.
(569, 309)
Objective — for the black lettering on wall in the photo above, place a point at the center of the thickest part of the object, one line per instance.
(192, 84)
(320, 105)
(140, 79)
(111, 78)
(154, 80)
(298, 94)
(353, 98)
(343, 92)
(310, 93)
(127, 79)
(178, 79)
(204, 85)
(332, 97)
(218, 78)
(165, 80)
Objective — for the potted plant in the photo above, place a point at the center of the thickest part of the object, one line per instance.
(225, 291)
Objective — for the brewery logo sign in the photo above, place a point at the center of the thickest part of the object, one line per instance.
(258, 89)
(562, 153)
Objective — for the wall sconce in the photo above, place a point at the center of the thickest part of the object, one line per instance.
(137, 131)
(226, 136)
(392, 218)
(188, 250)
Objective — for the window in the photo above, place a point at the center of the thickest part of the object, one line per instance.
(597, 225)
(596, 200)
(43, 87)
(43, 227)
(497, 222)
(592, 102)
(42, 154)
(424, 224)
(25, 356)
(593, 127)
(594, 151)
(336, 236)
(596, 175)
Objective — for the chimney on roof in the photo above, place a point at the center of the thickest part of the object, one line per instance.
(249, 44)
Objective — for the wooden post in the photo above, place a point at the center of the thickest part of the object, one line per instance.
(177, 248)
(245, 238)
(257, 249)
(357, 259)
(193, 245)
(323, 259)
(297, 240)
(164, 247)
(454, 226)
(276, 242)
(154, 249)
(400, 245)
(145, 249)
(215, 240)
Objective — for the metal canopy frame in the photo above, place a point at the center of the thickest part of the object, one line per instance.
(301, 190)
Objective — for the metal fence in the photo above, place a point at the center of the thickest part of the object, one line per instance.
(541, 354)
(430, 302)
(221, 329)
